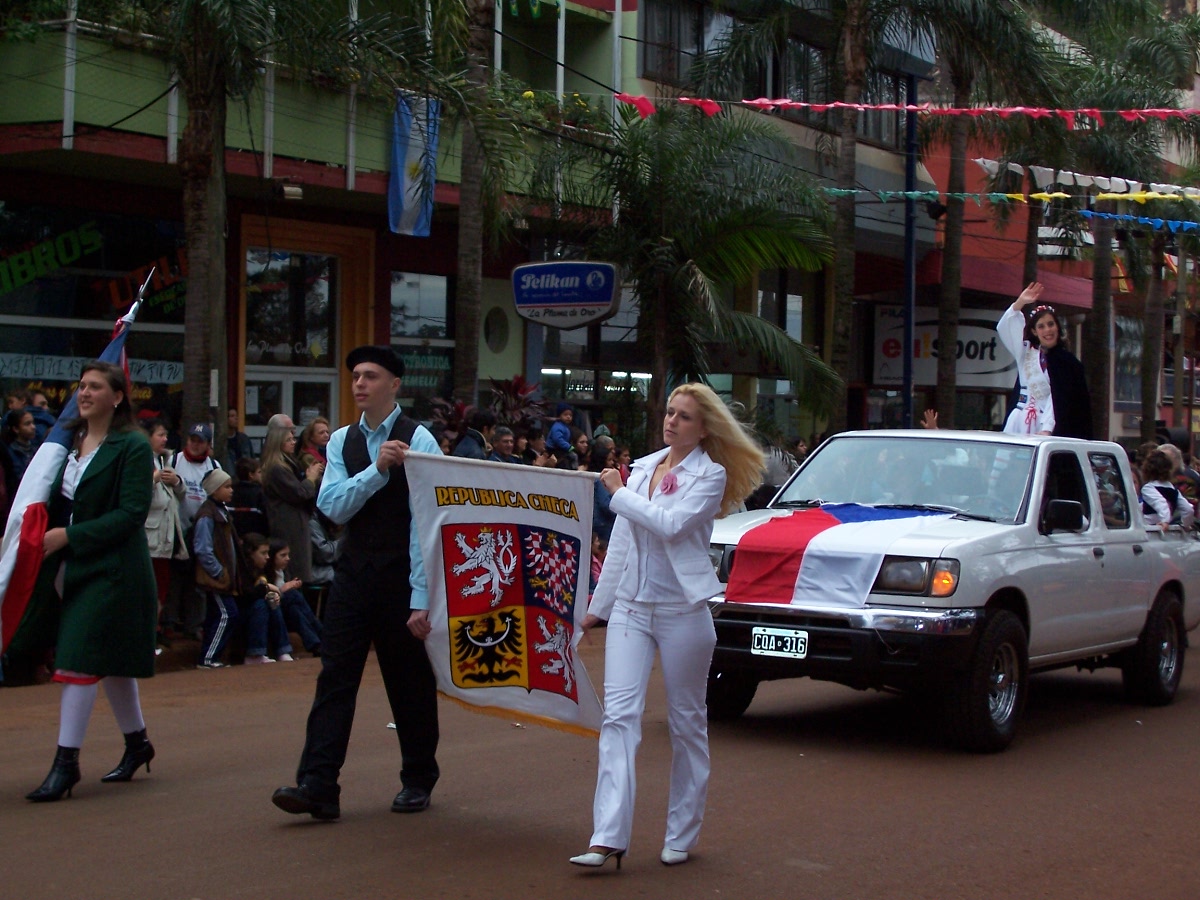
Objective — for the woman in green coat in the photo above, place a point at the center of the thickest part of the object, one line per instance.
(98, 563)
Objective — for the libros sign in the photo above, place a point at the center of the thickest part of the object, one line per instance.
(565, 294)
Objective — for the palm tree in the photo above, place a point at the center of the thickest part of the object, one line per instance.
(1122, 55)
(1112, 54)
(988, 42)
(702, 205)
(471, 210)
(859, 29)
(861, 25)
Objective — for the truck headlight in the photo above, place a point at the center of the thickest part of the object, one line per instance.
(912, 575)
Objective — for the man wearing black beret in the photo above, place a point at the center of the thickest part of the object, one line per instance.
(379, 596)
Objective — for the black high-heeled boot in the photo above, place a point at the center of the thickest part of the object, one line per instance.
(138, 751)
(64, 775)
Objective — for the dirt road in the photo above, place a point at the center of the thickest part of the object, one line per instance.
(819, 792)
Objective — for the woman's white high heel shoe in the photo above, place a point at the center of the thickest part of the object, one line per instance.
(597, 857)
(671, 857)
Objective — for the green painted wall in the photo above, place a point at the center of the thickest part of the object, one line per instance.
(111, 83)
(31, 82)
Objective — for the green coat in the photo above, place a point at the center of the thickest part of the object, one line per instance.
(109, 610)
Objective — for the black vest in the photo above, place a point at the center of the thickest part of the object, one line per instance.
(378, 533)
(1170, 494)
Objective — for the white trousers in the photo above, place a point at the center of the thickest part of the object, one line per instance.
(684, 636)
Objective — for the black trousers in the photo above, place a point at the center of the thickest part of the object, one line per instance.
(371, 606)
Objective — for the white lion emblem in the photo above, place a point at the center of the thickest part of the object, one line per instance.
(497, 559)
(559, 645)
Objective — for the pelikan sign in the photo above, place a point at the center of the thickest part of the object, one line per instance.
(565, 294)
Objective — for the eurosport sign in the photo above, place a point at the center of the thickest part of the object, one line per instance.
(565, 294)
(982, 359)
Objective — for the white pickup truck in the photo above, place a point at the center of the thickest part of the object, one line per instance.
(952, 563)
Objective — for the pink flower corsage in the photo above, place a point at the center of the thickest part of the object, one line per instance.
(668, 484)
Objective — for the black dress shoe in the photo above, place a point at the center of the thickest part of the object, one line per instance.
(299, 800)
(64, 775)
(138, 752)
(411, 800)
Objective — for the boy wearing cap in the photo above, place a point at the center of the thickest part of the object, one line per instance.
(379, 596)
(185, 607)
(191, 464)
(215, 549)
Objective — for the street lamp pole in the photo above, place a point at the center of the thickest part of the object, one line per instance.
(910, 249)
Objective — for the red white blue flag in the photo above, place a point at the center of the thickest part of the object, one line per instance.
(21, 548)
(829, 555)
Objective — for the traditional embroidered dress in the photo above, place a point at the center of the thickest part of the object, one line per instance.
(1035, 405)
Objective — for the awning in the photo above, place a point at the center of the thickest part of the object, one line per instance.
(991, 276)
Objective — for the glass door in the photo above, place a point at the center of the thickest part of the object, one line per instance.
(291, 337)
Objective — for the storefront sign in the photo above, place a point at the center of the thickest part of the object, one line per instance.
(982, 359)
(67, 368)
(166, 292)
(426, 370)
(19, 268)
(565, 294)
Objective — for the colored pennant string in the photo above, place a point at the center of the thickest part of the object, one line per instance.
(1070, 117)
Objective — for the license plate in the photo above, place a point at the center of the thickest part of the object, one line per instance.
(779, 642)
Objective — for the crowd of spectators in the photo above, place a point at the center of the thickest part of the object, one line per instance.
(564, 446)
(241, 555)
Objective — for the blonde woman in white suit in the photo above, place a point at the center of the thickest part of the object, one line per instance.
(656, 579)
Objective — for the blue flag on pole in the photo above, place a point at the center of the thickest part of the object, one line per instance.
(414, 164)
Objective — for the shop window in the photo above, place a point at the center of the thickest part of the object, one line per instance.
(802, 74)
(291, 308)
(291, 337)
(880, 126)
(419, 305)
(674, 33)
(421, 333)
(66, 275)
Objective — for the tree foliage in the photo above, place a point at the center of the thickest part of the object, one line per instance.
(700, 205)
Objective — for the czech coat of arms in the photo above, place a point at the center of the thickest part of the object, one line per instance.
(510, 596)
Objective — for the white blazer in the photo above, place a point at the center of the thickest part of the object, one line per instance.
(683, 519)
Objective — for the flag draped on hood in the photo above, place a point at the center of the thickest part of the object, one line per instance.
(829, 555)
(21, 549)
(507, 555)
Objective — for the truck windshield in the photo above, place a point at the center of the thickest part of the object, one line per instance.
(978, 478)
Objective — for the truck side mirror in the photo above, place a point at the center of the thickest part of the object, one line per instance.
(1062, 515)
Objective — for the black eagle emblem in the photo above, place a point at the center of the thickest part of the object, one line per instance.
(488, 649)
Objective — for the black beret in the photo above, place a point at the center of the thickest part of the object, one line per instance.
(381, 356)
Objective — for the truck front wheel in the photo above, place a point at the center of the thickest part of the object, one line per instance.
(729, 694)
(984, 702)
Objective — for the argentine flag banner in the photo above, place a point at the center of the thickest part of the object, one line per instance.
(414, 164)
(507, 552)
(21, 549)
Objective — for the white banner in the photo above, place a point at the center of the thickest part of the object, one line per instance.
(507, 552)
(982, 359)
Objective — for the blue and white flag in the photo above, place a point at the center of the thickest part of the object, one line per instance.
(21, 549)
(414, 164)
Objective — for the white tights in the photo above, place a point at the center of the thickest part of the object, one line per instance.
(77, 703)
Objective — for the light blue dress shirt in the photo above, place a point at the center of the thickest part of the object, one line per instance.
(342, 495)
